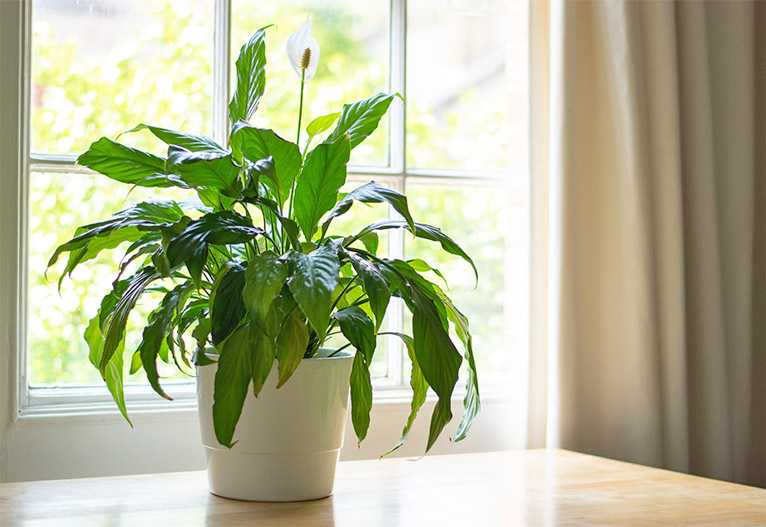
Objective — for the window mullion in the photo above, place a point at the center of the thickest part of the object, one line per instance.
(221, 70)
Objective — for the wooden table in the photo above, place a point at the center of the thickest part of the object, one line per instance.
(525, 488)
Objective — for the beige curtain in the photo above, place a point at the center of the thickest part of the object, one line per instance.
(648, 297)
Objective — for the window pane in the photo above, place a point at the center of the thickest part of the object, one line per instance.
(100, 67)
(353, 40)
(490, 224)
(59, 203)
(467, 85)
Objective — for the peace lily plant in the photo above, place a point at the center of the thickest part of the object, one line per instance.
(255, 269)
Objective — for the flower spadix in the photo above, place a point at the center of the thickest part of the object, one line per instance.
(303, 51)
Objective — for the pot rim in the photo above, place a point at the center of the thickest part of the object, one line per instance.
(321, 354)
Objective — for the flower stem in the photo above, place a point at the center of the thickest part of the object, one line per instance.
(297, 141)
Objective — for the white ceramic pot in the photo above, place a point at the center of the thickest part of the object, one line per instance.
(287, 440)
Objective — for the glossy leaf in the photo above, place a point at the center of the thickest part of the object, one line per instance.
(361, 396)
(259, 143)
(317, 188)
(422, 230)
(264, 278)
(314, 277)
(375, 285)
(372, 193)
(211, 169)
(361, 118)
(231, 383)
(251, 77)
(158, 328)
(264, 351)
(227, 306)
(122, 163)
(171, 137)
(357, 327)
(291, 345)
(190, 246)
(112, 373)
(118, 316)
(419, 389)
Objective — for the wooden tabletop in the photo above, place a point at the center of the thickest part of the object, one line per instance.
(525, 488)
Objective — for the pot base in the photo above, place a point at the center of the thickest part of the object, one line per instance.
(271, 477)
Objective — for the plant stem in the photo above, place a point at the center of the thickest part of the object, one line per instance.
(297, 142)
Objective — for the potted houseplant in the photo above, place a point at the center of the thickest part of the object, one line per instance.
(253, 271)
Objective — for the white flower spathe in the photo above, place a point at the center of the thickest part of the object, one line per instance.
(303, 51)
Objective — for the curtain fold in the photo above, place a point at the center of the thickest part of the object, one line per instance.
(648, 245)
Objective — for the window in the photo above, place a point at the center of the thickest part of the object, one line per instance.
(457, 147)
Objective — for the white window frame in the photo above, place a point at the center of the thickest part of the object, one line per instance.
(60, 433)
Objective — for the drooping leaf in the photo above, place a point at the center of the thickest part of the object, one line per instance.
(375, 285)
(422, 230)
(264, 278)
(251, 77)
(126, 225)
(263, 354)
(422, 266)
(317, 188)
(118, 316)
(207, 169)
(112, 374)
(171, 137)
(361, 396)
(259, 143)
(158, 328)
(122, 163)
(291, 345)
(231, 382)
(437, 356)
(227, 306)
(372, 193)
(419, 389)
(472, 400)
(357, 327)
(314, 277)
(361, 118)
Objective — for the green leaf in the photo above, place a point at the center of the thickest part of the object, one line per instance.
(361, 118)
(231, 382)
(117, 318)
(263, 354)
(314, 277)
(422, 230)
(113, 374)
(419, 389)
(191, 244)
(171, 137)
(208, 169)
(317, 188)
(361, 396)
(357, 327)
(437, 357)
(372, 193)
(264, 278)
(251, 77)
(126, 225)
(375, 285)
(226, 304)
(291, 345)
(259, 143)
(158, 328)
(371, 242)
(472, 400)
(422, 266)
(319, 125)
(122, 163)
